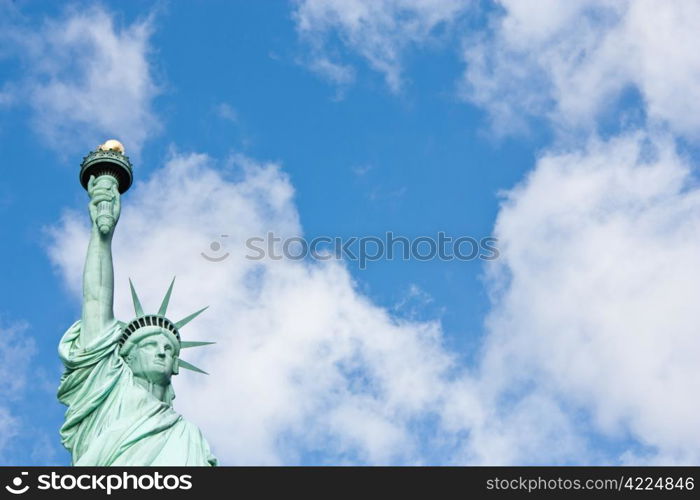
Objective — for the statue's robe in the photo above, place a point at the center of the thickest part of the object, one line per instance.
(111, 419)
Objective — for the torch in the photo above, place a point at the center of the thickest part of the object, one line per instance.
(109, 165)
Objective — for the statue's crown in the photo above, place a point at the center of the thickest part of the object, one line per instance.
(170, 328)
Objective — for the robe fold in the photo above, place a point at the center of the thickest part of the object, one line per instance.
(111, 419)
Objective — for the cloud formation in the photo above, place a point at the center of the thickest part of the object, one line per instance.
(572, 62)
(16, 352)
(87, 79)
(596, 291)
(379, 31)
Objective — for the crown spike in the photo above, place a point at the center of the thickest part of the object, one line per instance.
(166, 299)
(190, 366)
(189, 343)
(189, 318)
(135, 298)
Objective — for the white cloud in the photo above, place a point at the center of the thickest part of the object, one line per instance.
(6, 98)
(340, 75)
(9, 428)
(16, 352)
(594, 292)
(89, 79)
(597, 290)
(573, 61)
(226, 112)
(379, 31)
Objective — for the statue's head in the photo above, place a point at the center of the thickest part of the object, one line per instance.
(150, 343)
(152, 354)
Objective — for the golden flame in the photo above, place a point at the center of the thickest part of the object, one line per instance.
(113, 145)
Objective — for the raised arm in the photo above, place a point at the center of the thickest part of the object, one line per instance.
(98, 276)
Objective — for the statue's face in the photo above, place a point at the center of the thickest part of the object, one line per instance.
(153, 359)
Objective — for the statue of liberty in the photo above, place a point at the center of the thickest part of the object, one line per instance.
(117, 379)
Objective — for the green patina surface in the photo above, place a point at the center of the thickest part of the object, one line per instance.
(117, 379)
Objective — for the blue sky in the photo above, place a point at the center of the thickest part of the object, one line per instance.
(567, 131)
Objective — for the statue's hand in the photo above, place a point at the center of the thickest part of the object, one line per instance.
(104, 190)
